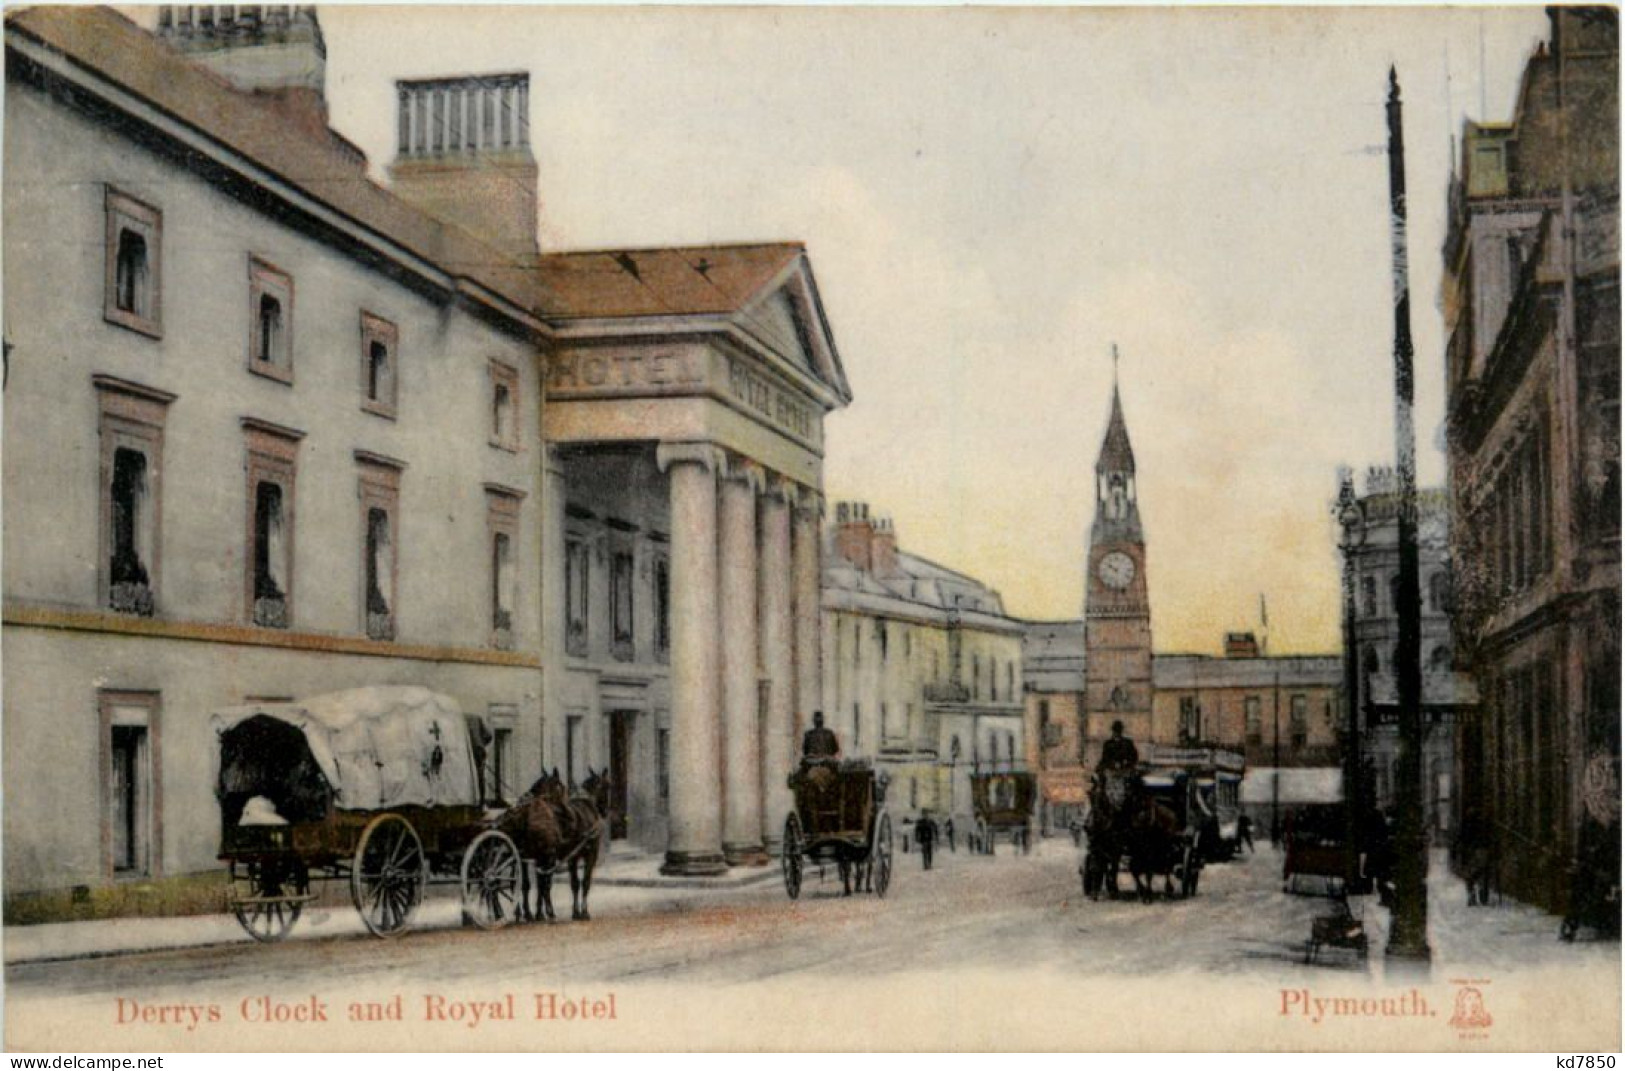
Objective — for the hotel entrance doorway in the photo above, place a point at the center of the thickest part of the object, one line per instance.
(620, 769)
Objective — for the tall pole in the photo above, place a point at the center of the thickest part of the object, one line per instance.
(1408, 936)
(1352, 520)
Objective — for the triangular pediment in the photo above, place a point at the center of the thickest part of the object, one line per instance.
(788, 318)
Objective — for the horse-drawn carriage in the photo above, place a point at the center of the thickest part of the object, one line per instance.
(380, 786)
(1151, 821)
(839, 817)
(1003, 802)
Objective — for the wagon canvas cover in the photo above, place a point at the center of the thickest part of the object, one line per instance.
(379, 747)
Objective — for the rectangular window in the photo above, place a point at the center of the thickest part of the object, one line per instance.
(502, 505)
(379, 367)
(572, 747)
(132, 291)
(272, 463)
(131, 798)
(131, 432)
(1253, 706)
(662, 608)
(379, 489)
(1190, 720)
(270, 311)
(620, 606)
(1300, 721)
(575, 597)
(502, 773)
(505, 430)
(857, 727)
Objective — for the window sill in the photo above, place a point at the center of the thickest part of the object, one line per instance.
(130, 321)
(380, 409)
(268, 370)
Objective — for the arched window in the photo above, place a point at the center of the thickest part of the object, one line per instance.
(378, 372)
(268, 348)
(130, 288)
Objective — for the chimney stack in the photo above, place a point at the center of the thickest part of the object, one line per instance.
(1240, 645)
(883, 548)
(275, 51)
(463, 155)
(854, 533)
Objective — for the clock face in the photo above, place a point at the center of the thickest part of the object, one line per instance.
(1116, 570)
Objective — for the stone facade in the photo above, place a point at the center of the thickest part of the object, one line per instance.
(1447, 692)
(1531, 302)
(204, 508)
(274, 430)
(922, 671)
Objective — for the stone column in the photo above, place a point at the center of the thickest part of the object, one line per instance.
(774, 584)
(694, 840)
(804, 564)
(551, 727)
(742, 748)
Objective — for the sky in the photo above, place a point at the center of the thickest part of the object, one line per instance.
(990, 199)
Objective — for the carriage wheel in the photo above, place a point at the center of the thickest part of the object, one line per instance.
(490, 881)
(387, 874)
(270, 897)
(790, 856)
(880, 856)
(1189, 868)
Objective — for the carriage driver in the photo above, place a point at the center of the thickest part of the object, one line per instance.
(819, 744)
(1119, 753)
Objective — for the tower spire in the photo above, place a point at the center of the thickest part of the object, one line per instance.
(1116, 453)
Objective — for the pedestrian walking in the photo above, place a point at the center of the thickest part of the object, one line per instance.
(925, 834)
(1244, 833)
(948, 828)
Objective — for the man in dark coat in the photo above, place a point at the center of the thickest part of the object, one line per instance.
(1119, 753)
(925, 832)
(819, 743)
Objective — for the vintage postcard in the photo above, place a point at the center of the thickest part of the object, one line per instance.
(745, 528)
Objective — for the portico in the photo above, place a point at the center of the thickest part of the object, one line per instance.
(685, 398)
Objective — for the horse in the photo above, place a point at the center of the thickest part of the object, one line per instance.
(534, 826)
(1106, 829)
(583, 819)
(1155, 844)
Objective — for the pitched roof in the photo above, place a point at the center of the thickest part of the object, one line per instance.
(320, 166)
(1116, 455)
(677, 281)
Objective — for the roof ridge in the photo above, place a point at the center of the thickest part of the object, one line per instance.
(612, 250)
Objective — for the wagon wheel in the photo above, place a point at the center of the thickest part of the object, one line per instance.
(387, 874)
(269, 899)
(790, 856)
(490, 881)
(880, 856)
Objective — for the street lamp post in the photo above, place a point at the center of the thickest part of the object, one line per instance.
(1351, 519)
(1408, 936)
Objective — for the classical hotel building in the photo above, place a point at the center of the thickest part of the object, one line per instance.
(273, 428)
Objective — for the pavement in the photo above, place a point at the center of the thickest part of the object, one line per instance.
(624, 880)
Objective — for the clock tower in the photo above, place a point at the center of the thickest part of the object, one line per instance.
(1116, 604)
